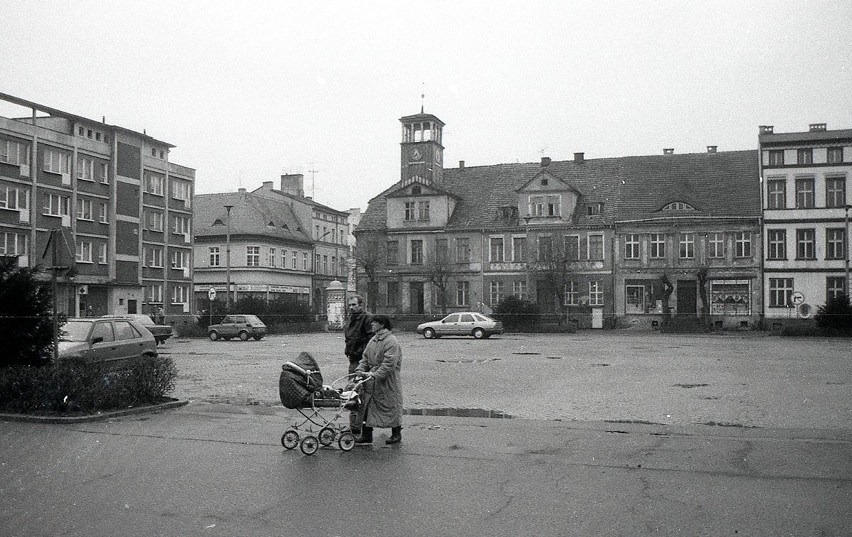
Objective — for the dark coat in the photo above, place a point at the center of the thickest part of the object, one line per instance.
(357, 334)
(382, 396)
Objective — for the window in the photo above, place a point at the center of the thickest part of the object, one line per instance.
(716, 245)
(215, 256)
(776, 157)
(496, 250)
(742, 244)
(571, 293)
(179, 258)
(56, 205)
(805, 239)
(179, 294)
(835, 242)
(416, 252)
(154, 221)
(304, 260)
(13, 244)
(572, 248)
(409, 211)
(181, 190)
(496, 293)
(686, 246)
(252, 256)
(462, 293)
(293, 257)
(835, 286)
(596, 249)
(536, 207)
(776, 194)
(835, 191)
(835, 155)
(805, 193)
(270, 257)
(155, 260)
(103, 213)
(17, 153)
(730, 297)
(56, 162)
(545, 205)
(519, 289)
(154, 293)
(154, 184)
(780, 290)
(393, 294)
(545, 248)
(678, 206)
(283, 258)
(393, 253)
(104, 172)
(596, 296)
(102, 253)
(442, 251)
(14, 198)
(84, 209)
(658, 246)
(85, 169)
(463, 250)
(423, 211)
(84, 252)
(634, 299)
(317, 263)
(519, 249)
(180, 225)
(593, 209)
(325, 265)
(777, 243)
(805, 156)
(631, 246)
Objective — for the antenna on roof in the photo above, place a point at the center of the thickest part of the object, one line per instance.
(422, 96)
(313, 172)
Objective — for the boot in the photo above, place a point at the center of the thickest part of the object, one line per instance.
(366, 436)
(396, 436)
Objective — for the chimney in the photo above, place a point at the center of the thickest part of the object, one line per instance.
(817, 127)
(711, 148)
(668, 151)
(461, 164)
(578, 158)
(545, 162)
(293, 184)
(241, 190)
(267, 185)
(766, 129)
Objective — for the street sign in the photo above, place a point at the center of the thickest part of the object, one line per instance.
(797, 298)
(211, 294)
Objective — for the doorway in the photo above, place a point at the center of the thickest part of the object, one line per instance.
(416, 297)
(687, 298)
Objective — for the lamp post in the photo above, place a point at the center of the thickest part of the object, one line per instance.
(228, 259)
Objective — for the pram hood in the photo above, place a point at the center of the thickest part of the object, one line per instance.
(299, 379)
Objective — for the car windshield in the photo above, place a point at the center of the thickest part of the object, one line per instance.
(254, 320)
(75, 331)
(480, 317)
(142, 319)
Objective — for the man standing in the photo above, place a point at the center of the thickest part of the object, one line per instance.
(357, 335)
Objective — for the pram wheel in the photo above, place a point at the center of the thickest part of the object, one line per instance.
(346, 441)
(326, 436)
(309, 445)
(290, 439)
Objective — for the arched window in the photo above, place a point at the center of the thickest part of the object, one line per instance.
(678, 206)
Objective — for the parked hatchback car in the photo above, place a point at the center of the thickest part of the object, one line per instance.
(465, 323)
(111, 341)
(241, 326)
(161, 332)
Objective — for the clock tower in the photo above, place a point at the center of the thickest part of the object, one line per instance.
(422, 152)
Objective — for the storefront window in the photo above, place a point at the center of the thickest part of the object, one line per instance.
(730, 297)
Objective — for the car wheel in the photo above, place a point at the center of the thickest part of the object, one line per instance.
(243, 335)
(428, 333)
(214, 336)
(478, 333)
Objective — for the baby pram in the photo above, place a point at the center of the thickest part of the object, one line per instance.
(301, 388)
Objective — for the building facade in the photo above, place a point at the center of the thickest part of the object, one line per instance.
(589, 240)
(805, 182)
(116, 207)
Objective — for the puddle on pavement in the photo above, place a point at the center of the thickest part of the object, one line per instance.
(467, 361)
(690, 385)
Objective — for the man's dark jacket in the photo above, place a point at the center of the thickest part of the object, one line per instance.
(357, 334)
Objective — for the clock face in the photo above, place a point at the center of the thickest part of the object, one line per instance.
(415, 154)
(438, 156)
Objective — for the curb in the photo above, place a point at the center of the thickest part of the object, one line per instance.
(35, 418)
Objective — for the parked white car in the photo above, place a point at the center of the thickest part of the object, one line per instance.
(465, 323)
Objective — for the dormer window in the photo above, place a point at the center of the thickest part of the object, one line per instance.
(678, 206)
(545, 205)
(594, 209)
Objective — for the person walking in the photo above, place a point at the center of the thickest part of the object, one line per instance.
(381, 404)
(356, 337)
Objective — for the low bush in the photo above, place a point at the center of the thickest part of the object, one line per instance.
(75, 386)
(517, 314)
(835, 318)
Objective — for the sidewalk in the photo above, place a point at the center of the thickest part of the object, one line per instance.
(206, 469)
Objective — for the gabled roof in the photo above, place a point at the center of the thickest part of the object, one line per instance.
(718, 184)
(398, 191)
(545, 173)
(250, 215)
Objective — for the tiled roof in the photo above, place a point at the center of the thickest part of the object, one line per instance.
(251, 215)
(715, 184)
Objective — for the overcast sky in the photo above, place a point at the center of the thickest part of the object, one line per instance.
(249, 90)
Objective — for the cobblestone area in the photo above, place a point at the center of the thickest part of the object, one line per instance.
(730, 380)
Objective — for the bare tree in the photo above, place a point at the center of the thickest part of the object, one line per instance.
(438, 273)
(368, 256)
(552, 271)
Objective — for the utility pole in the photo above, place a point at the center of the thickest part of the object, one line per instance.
(228, 260)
